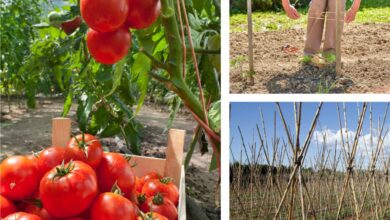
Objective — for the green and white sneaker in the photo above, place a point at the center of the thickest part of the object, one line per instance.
(306, 59)
(329, 57)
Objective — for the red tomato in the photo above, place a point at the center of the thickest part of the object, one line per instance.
(74, 218)
(115, 168)
(22, 216)
(104, 16)
(19, 178)
(68, 190)
(160, 205)
(108, 206)
(152, 216)
(6, 207)
(143, 13)
(36, 208)
(163, 186)
(86, 148)
(139, 182)
(70, 26)
(108, 48)
(50, 158)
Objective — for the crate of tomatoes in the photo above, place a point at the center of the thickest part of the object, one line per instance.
(75, 180)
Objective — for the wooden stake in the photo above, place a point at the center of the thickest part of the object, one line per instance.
(61, 131)
(250, 43)
(339, 20)
(174, 155)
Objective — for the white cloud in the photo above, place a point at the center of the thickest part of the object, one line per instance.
(364, 143)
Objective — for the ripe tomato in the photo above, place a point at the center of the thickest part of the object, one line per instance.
(143, 13)
(69, 189)
(74, 218)
(86, 148)
(104, 16)
(50, 158)
(139, 182)
(160, 205)
(6, 207)
(163, 186)
(109, 206)
(22, 216)
(36, 208)
(152, 216)
(70, 26)
(115, 168)
(108, 48)
(19, 177)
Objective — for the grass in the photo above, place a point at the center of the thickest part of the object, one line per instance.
(371, 11)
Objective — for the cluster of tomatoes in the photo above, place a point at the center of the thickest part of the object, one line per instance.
(108, 37)
(80, 182)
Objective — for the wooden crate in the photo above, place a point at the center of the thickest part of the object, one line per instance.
(171, 166)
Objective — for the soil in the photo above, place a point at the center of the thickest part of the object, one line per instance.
(26, 130)
(365, 63)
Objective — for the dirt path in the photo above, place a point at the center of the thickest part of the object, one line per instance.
(365, 56)
(23, 131)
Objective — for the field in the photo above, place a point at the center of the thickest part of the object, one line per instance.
(365, 61)
(319, 174)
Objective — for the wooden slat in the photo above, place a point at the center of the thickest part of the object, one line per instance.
(182, 199)
(174, 155)
(61, 131)
(145, 165)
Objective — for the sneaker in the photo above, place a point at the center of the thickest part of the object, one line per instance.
(306, 59)
(329, 57)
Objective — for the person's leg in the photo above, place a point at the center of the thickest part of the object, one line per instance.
(330, 29)
(315, 27)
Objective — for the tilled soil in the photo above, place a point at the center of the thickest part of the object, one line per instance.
(365, 63)
(23, 131)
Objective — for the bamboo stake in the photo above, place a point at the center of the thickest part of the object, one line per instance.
(250, 43)
(339, 9)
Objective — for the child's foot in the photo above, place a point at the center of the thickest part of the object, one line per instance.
(330, 58)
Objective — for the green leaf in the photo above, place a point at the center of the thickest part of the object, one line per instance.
(132, 137)
(140, 69)
(84, 109)
(67, 103)
(215, 116)
(118, 71)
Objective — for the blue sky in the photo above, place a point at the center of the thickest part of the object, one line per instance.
(247, 115)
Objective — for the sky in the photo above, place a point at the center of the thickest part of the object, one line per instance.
(246, 115)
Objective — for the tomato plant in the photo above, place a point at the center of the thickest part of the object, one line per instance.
(19, 177)
(110, 205)
(69, 189)
(171, 62)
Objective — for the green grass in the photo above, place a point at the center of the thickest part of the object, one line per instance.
(371, 11)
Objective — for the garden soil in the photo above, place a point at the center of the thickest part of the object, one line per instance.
(365, 62)
(24, 131)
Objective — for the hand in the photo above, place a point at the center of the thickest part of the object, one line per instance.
(351, 14)
(291, 11)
